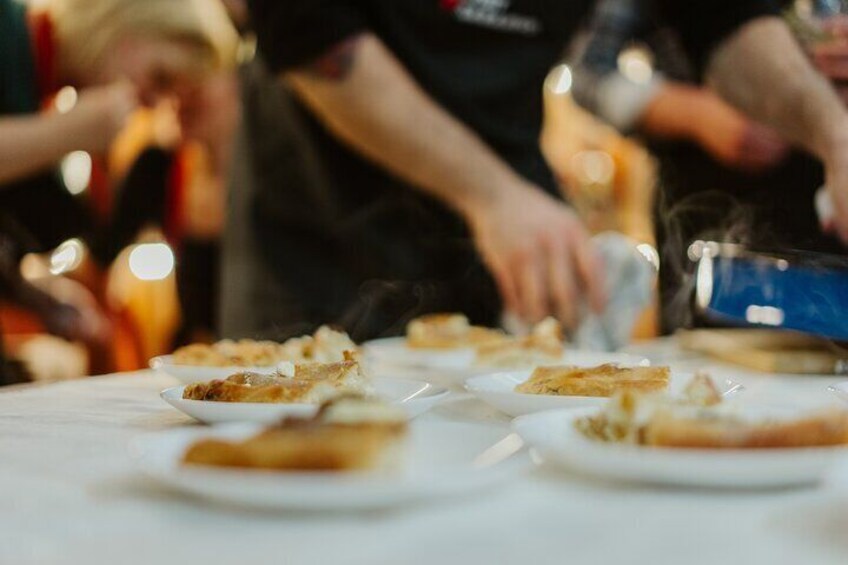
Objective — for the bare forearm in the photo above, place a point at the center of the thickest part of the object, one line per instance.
(669, 114)
(372, 103)
(31, 144)
(762, 71)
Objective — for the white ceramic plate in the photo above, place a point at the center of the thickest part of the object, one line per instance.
(415, 397)
(188, 374)
(553, 435)
(498, 390)
(393, 351)
(840, 390)
(443, 459)
(453, 367)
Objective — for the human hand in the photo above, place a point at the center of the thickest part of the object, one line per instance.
(733, 139)
(100, 114)
(539, 254)
(833, 210)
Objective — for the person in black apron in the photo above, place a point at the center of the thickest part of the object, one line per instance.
(424, 118)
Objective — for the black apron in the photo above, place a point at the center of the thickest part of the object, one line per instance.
(339, 240)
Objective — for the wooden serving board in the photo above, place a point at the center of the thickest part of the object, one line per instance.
(768, 350)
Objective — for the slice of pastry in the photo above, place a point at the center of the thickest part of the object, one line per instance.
(200, 354)
(329, 346)
(347, 434)
(311, 383)
(698, 419)
(325, 346)
(703, 428)
(253, 387)
(344, 375)
(544, 345)
(604, 380)
(448, 331)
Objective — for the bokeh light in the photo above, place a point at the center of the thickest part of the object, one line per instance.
(151, 261)
(559, 80)
(65, 99)
(67, 257)
(76, 171)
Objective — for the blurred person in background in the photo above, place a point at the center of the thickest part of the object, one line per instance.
(424, 119)
(60, 318)
(180, 189)
(719, 171)
(274, 163)
(117, 54)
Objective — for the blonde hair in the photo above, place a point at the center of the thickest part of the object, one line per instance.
(88, 29)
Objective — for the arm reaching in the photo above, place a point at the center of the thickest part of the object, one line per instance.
(663, 108)
(535, 246)
(29, 144)
(761, 69)
(680, 111)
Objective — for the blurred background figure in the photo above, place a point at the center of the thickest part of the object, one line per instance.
(433, 193)
(177, 185)
(72, 74)
(722, 176)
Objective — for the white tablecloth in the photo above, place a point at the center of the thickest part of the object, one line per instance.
(69, 494)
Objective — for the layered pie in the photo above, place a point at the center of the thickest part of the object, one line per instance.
(604, 380)
(326, 345)
(347, 434)
(310, 383)
(448, 331)
(698, 419)
(544, 345)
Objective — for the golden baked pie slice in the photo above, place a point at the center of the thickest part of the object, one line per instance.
(448, 331)
(697, 420)
(604, 380)
(347, 434)
(200, 354)
(544, 345)
(252, 387)
(705, 428)
(311, 383)
(326, 345)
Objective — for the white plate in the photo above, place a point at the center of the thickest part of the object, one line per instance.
(443, 459)
(393, 351)
(553, 435)
(498, 390)
(840, 390)
(454, 366)
(188, 374)
(415, 397)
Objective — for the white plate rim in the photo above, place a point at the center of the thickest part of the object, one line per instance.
(499, 398)
(431, 397)
(563, 454)
(146, 452)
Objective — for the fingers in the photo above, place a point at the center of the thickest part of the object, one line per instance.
(507, 286)
(532, 285)
(563, 287)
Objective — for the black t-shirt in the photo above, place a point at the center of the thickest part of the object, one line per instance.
(484, 61)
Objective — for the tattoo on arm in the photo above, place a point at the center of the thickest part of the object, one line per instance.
(335, 64)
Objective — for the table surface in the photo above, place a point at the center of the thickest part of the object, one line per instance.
(69, 494)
